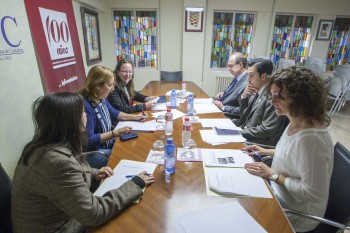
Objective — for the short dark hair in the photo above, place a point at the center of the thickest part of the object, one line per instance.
(241, 58)
(262, 65)
(58, 122)
(305, 89)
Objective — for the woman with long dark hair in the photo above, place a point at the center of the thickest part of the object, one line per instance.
(52, 180)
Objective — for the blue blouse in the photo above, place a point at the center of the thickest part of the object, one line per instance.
(93, 125)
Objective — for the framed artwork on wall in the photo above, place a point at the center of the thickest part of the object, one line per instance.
(324, 29)
(91, 32)
(194, 19)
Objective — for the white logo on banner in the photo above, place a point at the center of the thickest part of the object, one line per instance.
(58, 38)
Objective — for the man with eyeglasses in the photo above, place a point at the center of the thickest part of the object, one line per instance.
(227, 101)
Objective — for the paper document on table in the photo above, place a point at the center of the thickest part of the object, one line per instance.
(234, 182)
(211, 137)
(225, 158)
(137, 126)
(176, 113)
(206, 108)
(159, 107)
(224, 218)
(122, 173)
(223, 123)
(159, 99)
(202, 101)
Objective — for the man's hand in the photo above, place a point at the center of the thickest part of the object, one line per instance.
(219, 104)
(219, 95)
(249, 90)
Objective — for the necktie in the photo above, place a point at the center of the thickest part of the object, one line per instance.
(233, 83)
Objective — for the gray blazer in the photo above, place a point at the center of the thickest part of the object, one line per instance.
(52, 194)
(231, 102)
(260, 123)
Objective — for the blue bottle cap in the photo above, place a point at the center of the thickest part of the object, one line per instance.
(169, 141)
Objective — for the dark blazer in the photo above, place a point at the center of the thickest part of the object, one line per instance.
(119, 100)
(231, 102)
(52, 194)
(259, 122)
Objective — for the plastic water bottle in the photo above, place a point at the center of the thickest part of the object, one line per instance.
(169, 156)
(169, 123)
(183, 90)
(190, 106)
(173, 99)
(186, 130)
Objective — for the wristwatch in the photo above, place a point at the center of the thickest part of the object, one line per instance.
(274, 176)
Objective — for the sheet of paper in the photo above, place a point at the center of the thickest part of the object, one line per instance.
(137, 126)
(193, 119)
(211, 137)
(224, 218)
(156, 158)
(159, 107)
(121, 171)
(206, 108)
(223, 123)
(203, 101)
(225, 158)
(235, 181)
(176, 113)
(192, 155)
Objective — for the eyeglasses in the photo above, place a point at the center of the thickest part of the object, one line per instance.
(126, 71)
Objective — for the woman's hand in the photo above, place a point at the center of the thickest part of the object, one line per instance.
(104, 172)
(123, 130)
(259, 169)
(148, 179)
(254, 148)
(149, 105)
(141, 117)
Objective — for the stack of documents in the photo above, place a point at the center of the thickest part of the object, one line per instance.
(137, 126)
(123, 172)
(216, 136)
(205, 105)
(224, 218)
(178, 92)
(225, 158)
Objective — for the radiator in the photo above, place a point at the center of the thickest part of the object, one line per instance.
(222, 82)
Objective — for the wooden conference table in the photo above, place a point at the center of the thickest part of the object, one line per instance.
(185, 189)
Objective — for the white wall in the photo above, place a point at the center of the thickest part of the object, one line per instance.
(20, 85)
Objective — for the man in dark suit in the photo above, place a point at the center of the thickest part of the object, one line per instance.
(227, 100)
(259, 121)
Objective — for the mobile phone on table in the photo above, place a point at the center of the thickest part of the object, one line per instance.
(126, 137)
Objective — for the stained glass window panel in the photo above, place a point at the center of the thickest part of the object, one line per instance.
(281, 37)
(243, 32)
(136, 37)
(222, 39)
(300, 38)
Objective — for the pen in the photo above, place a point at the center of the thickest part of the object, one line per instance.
(131, 176)
(256, 154)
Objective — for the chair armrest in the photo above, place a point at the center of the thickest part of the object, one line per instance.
(95, 152)
(319, 219)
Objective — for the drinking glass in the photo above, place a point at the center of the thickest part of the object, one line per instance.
(190, 149)
(160, 122)
(158, 150)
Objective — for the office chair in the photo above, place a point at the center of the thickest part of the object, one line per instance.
(170, 76)
(337, 214)
(5, 202)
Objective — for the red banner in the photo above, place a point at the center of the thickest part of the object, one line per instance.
(56, 41)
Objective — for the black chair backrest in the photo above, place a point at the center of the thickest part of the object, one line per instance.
(338, 208)
(5, 202)
(171, 76)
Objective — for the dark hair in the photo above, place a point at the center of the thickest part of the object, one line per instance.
(306, 90)
(130, 86)
(239, 57)
(262, 65)
(58, 122)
